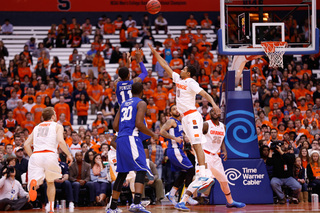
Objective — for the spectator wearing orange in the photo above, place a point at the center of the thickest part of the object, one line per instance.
(10, 122)
(82, 109)
(29, 94)
(29, 124)
(17, 89)
(206, 23)
(42, 93)
(153, 109)
(172, 95)
(150, 79)
(297, 115)
(44, 59)
(109, 28)
(51, 88)
(198, 35)
(95, 92)
(300, 131)
(175, 46)
(203, 44)
(206, 64)
(74, 24)
(148, 119)
(98, 61)
(37, 109)
(203, 79)
(96, 44)
(19, 113)
(176, 63)
(169, 40)
(118, 22)
(184, 40)
(132, 31)
(215, 78)
(223, 66)
(275, 99)
(161, 99)
(62, 107)
(191, 22)
(3, 138)
(62, 120)
(100, 123)
(24, 70)
(166, 81)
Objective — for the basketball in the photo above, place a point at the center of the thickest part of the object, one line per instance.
(153, 6)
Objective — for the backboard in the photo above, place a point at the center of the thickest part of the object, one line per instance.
(247, 23)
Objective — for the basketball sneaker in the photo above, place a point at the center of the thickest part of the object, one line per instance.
(71, 207)
(47, 208)
(192, 201)
(235, 204)
(138, 208)
(117, 210)
(145, 203)
(206, 184)
(171, 198)
(33, 190)
(182, 206)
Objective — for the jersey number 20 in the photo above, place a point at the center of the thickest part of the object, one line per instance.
(127, 113)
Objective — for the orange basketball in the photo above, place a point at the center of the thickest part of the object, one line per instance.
(153, 6)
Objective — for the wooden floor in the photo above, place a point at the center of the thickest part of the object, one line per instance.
(199, 209)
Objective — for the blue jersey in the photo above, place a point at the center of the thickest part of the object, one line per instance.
(123, 91)
(176, 132)
(128, 113)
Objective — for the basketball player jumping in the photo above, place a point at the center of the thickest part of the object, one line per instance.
(214, 132)
(130, 154)
(172, 130)
(192, 122)
(43, 163)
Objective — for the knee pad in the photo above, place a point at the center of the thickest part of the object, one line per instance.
(140, 177)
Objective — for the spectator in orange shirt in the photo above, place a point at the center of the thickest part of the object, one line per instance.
(191, 22)
(24, 70)
(154, 111)
(206, 64)
(133, 32)
(42, 93)
(62, 120)
(82, 109)
(118, 22)
(275, 99)
(297, 115)
(95, 92)
(161, 99)
(169, 40)
(19, 113)
(98, 61)
(51, 88)
(109, 28)
(148, 92)
(167, 81)
(74, 24)
(100, 123)
(62, 107)
(203, 79)
(44, 59)
(29, 124)
(206, 22)
(150, 79)
(176, 63)
(222, 65)
(184, 40)
(175, 46)
(148, 119)
(37, 109)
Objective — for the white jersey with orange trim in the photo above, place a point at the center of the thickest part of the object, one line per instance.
(186, 92)
(214, 136)
(45, 137)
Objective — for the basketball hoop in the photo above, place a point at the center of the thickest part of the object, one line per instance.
(275, 50)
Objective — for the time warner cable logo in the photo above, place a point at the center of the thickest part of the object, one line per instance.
(250, 176)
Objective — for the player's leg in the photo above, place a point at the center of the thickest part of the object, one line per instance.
(117, 190)
(36, 175)
(146, 151)
(51, 194)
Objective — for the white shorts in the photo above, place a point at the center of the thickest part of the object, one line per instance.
(43, 166)
(192, 125)
(215, 165)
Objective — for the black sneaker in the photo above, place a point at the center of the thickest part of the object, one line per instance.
(294, 200)
(282, 201)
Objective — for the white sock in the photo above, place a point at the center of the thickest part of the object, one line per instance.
(173, 191)
(202, 170)
(51, 206)
(185, 198)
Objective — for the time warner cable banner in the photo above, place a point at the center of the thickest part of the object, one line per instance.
(248, 181)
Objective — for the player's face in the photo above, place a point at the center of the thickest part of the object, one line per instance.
(184, 73)
(174, 112)
(214, 115)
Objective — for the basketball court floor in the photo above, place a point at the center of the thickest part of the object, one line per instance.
(166, 208)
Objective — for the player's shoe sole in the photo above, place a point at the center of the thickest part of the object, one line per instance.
(235, 204)
(33, 190)
(182, 207)
(206, 185)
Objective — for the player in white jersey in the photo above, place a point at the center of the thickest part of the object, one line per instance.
(186, 90)
(214, 132)
(43, 163)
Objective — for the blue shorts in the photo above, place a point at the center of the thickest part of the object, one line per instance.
(131, 155)
(179, 161)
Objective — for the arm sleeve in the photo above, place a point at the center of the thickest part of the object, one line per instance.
(194, 86)
(175, 77)
(144, 71)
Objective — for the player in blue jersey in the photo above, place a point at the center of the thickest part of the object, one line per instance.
(172, 130)
(123, 83)
(130, 154)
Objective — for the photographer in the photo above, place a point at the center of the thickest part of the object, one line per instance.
(12, 195)
(282, 162)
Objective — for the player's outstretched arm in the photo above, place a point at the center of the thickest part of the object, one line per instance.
(205, 128)
(27, 145)
(210, 99)
(63, 144)
(141, 111)
(164, 130)
(144, 71)
(116, 121)
(161, 61)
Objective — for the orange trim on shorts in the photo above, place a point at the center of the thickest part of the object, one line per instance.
(43, 151)
(209, 153)
(189, 112)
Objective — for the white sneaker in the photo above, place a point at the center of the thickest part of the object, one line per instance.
(47, 208)
(192, 202)
(71, 207)
(145, 203)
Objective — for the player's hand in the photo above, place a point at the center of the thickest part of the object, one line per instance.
(155, 136)
(151, 47)
(224, 155)
(178, 139)
(69, 160)
(128, 58)
(217, 110)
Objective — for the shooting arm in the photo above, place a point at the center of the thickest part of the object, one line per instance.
(161, 61)
(27, 145)
(209, 98)
(141, 111)
(165, 128)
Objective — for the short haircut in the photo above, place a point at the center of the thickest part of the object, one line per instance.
(123, 72)
(192, 70)
(137, 88)
(47, 113)
(171, 107)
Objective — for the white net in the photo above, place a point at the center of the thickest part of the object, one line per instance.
(274, 51)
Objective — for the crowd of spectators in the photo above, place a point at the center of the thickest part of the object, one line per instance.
(286, 105)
